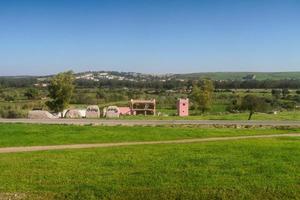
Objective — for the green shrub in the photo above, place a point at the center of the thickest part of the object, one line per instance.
(9, 98)
(32, 93)
(12, 112)
(289, 105)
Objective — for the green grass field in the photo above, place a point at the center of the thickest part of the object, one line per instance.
(264, 169)
(285, 116)
(30, 135)
(244, 169)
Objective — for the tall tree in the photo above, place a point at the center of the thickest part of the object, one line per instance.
(60, 89)
(100, 94)
(234, 104)
(195, 96)
(254, 104)
(276, 93)
(206, 96)
(203, 97)
(285, 92)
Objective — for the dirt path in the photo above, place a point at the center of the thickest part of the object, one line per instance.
(125, 122)
(103, 145)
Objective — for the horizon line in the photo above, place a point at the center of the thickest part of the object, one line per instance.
(147, 73)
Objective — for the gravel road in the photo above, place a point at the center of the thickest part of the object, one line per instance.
(112, 122)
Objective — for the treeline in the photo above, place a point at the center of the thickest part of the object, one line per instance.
(17, 82)
(22, 82)
(175, 84)
(254, 84)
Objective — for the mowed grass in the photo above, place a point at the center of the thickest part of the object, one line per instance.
(248, 169)
(13, 135)
(284, 116)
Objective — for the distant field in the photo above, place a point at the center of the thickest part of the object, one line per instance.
(240, 75)
(248, 169)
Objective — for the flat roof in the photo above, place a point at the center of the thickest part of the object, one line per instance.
(142, 101)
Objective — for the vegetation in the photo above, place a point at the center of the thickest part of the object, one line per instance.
(225, 104)
(283, 116)
(242, 169)
(245, 169)
(12, 112)
(248, 169)
(206, 96)
(32, 93)
(276, 93)
(60, 91)
(17, 81)
(30, 135)
(222, 102)
(254, 104)
(240, 75)
(202, 97)
(174, 83)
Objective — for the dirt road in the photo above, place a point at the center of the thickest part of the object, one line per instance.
(103, 145)
(152, 122)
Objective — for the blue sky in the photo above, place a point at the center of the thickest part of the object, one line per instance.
(45, 37)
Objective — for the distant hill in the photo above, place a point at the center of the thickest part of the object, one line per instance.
(191, 76)
(241, 75)
(133, 76)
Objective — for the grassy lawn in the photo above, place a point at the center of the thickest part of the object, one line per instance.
(30, 135)
(248, 169)
(285, 116)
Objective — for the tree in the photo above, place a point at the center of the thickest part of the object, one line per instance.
(285, 92)
(9, 97)
(60, 89)
(276, 93)
(100, 94)
(203, 96)
(31, 93)
(206, 96)
(195, 96)
(254, 104)
(235, 104)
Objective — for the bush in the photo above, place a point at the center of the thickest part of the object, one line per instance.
(83, 98)
(32, 93)
(297, 98)
(13, 111)
(289, 105)
(276, 93)
(9, 112)
(234, 105)
(9, 98)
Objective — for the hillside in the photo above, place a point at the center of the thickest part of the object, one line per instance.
(241, 75)
(96, 76)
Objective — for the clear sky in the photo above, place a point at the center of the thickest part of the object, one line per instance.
(168, 36)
